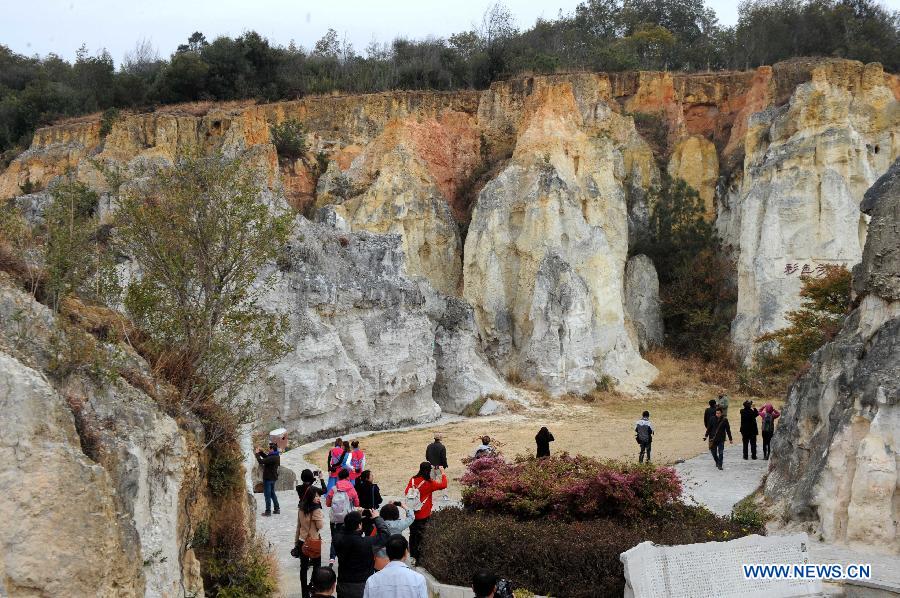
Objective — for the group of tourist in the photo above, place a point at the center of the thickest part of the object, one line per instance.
(717, 427)
(367, 536)
(715, 422)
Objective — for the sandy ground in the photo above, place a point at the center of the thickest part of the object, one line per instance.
(601, 425)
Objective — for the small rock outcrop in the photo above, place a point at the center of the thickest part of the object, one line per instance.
(836, 454)
(643, 316)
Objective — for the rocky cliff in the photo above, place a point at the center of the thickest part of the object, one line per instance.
(522, 201)
(98, 485)
(836, 454)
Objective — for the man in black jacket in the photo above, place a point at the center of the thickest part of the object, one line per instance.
(716, 431)
(709, 413)
(270, 463)
(355, 553)
(749, 429)
(436, 454)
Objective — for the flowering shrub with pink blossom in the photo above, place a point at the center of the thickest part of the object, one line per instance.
(567, 487)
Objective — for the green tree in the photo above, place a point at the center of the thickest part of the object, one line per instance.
(202, 233)
(694, 270)
(826, 303)
(289, 138)
(76, 258)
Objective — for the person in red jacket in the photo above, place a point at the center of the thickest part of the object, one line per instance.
(424, 486)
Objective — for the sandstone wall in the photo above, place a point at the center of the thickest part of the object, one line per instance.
(807, 165)
(836, 454)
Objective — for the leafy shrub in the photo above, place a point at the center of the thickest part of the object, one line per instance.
(565, 487)
(289, 138)
(826, 302)
(555, 558)
(224, 473)
(252, 575)
(747, 513)
(473, 408)
(107, 120)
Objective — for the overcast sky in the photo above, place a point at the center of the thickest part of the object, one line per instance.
(61, 26)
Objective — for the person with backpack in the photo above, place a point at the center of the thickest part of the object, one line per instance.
(270, 463)
(356, 553)
(715, 433)
(342, 499)
(357, 461)
(368, 491)
(768, 415)
(484, 448)
(418, 499)
(643, 433)
(543, 439)
(336, 457)
(308, 537)
(749, 430)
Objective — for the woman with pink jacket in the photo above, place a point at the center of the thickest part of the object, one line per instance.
(768, 414)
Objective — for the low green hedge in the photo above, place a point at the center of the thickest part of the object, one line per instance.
(555, 558)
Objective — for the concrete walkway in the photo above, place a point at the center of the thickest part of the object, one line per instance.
(718, 490)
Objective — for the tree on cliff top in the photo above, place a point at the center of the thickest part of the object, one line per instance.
(201, 234)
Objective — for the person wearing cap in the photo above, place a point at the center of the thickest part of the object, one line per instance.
(749, 429)
(269, 462)
(436, 454)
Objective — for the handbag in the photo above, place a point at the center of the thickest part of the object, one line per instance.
(312, 548)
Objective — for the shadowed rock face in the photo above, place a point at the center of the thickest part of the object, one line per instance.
(836, 454)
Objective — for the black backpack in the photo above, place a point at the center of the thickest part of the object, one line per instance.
(642, 434)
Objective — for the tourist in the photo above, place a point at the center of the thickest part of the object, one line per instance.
(643, 433)
(270, 462)
(355, 553)
(308, 478)
(484, 583)
(336, 457)
(390, 513)
(357, 461)
(484, 448)
(749, 430)
(543, 440)
(396, 580)
(709, 413)
(323, 582)
(308, 538)
(768, 415)
(342, 498)
(722, 402)
(368, 491)
(436, 453)
(715, 433)
(418, 498)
